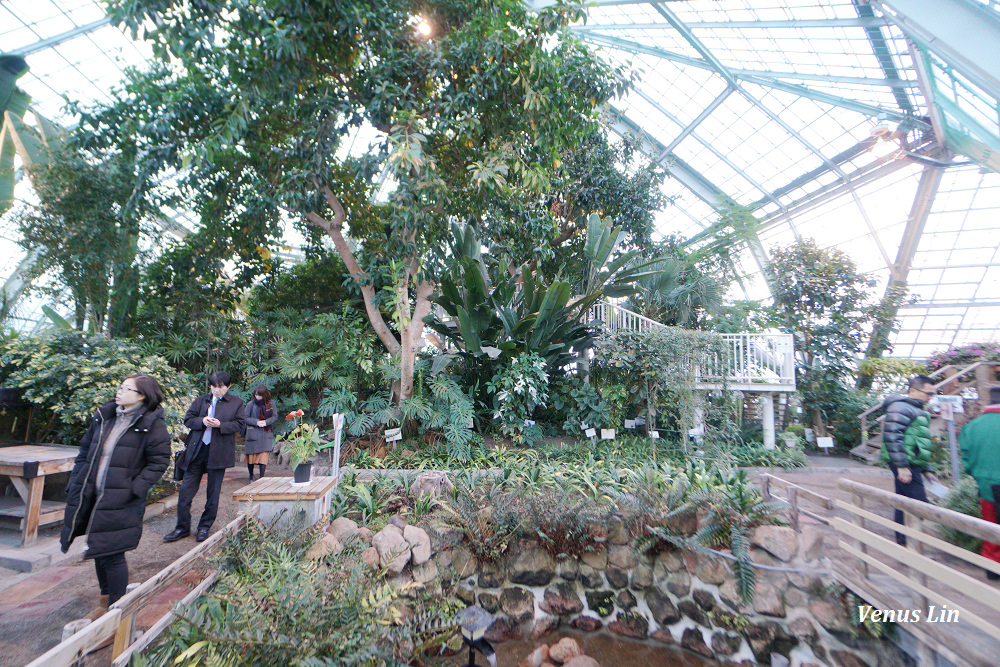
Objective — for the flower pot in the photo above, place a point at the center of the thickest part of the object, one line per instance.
(303, 472)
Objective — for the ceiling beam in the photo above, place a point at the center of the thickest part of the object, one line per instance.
(705, 113)
(765, 25)
(56, 40)
(880, 48)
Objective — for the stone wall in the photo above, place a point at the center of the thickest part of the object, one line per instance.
(675, 597)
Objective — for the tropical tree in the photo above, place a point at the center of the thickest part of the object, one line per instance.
(821, 298)
(473, 105)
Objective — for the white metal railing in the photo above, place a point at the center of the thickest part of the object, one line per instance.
(751, 358)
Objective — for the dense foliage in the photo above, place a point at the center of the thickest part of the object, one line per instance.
(963, 355)
(68, 375)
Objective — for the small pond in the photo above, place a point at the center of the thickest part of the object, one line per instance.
(608, 650)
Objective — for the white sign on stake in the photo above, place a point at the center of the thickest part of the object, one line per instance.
(607, 434)
(528, 422)
(338, 431)
(824, 443)
(590, 433)
(629, 423)
(655, 435)
(393, 434)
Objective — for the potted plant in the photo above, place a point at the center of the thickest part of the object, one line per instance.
(301, 444)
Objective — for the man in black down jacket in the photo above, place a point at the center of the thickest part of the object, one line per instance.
(900, 413)
(214, 420)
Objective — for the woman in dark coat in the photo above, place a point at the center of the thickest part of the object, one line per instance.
(260, 434)
(123, 454)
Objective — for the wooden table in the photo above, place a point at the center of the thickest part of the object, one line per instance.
(27, 466)
(277, 495)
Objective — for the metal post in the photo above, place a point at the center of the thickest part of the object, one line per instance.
(956, 470)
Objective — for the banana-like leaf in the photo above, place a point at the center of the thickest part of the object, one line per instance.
(58, 320)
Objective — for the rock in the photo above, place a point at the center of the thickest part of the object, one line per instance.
(582, 661)
(765, 637)
(370, 558)
(664, 636)
(393, 551)
(561, 599)
(723, 619)
(621, 557)
(590, 578)
(642, 577)
(597, 559)
(431, 484)
(729, 595)
(625, 600)
(564, 649)
(536, 658)
(489, 601)
(425, 572)
(662, 607)
(796, 598)
(679, 583)
(518, 603)
(491, 575)
(704, 598)
(617, 534)
(617, 578)
(847, 659)
(443, 534)
(694, 612)
(684, 523)
(831, 615)
(569, 569)
(601, 602)
(326, 546)
(693, 640)
(420, 544)
(503, 629)
(630, 624)
(587, 623)
(810, 543)
(398, 521)
(530, 565)
(671, 561)
(544, 625)
(462, 562)
(767, 601)
(804, 629)
(779, 541)
(710, 570)
(344, 530)
(465, 594)
(725, 643)
(365, 535)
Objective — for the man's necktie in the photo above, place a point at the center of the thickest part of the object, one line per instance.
(207, 438)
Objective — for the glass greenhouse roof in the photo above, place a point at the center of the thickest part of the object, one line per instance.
(870, 126)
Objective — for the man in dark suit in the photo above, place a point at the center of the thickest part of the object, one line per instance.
(214, 420)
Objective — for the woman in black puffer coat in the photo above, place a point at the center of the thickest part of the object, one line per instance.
(123, 454)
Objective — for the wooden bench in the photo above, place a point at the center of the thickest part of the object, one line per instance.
(27, 466)
(277, 495)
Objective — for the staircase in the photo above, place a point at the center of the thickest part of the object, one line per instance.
(972, 382)
(755, 362)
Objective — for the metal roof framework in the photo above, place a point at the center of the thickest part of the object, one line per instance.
(869, 125)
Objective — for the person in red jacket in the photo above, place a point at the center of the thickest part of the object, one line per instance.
(980, 443)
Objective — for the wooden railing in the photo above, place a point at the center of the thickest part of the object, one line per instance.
(793, 493)
(750, 359)
(119, 621)
(910, 565)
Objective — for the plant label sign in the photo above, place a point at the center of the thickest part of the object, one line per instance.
(655, 435)
(824, 443)
(528, 422)
(393, 434)
(629, 423)
(607, 434)
(590, 433)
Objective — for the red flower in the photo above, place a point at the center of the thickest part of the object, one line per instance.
(293, 415)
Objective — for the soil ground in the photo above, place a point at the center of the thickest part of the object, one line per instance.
(34, 607)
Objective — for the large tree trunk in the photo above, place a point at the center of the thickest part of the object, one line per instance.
(411, 325)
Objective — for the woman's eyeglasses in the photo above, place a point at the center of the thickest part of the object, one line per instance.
(124, 388)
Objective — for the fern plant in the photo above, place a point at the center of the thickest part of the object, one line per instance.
(273, 607)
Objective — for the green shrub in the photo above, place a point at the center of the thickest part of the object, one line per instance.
(69, 374)
(579, 403)
(563, 525)
(964, 498)
(519, 388)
